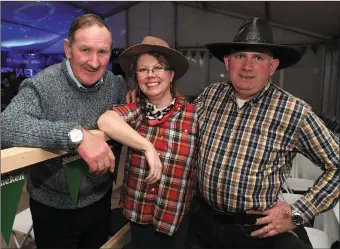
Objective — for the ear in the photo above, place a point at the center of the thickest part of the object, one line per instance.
(226, 62)
(275, 63)
(67, 48)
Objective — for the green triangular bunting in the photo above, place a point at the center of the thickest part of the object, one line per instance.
(74, 173)
(11, 188)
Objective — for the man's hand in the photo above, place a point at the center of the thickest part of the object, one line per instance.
(154, 164)
(276, 220)
(96, 153)
(131, 96)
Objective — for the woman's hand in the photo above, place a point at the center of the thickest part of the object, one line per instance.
(155, 165)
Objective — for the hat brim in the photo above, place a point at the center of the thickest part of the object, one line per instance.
(177, 61)
(287, 55)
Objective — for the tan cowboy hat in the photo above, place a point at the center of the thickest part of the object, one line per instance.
(256, 33)
(177, 61)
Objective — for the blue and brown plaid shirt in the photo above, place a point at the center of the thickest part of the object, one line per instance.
(246, 154)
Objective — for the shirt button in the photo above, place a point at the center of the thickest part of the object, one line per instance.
(161, 137)
(185, 130)
(153, 189)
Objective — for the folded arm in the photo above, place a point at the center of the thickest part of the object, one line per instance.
(24, 124)
(116, 128)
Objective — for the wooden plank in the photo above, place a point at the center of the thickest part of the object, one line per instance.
(20, 157)
(120, 239)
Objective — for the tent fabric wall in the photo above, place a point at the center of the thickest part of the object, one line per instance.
(331, 80)
(304, 80)
(151, 18)
(206, 27)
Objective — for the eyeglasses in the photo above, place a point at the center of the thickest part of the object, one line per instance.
(156, 70)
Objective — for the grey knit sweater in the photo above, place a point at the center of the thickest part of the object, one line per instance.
(46, 108)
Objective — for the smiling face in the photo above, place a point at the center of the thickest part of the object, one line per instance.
(154, 80)
(89, 53)
(249, 71)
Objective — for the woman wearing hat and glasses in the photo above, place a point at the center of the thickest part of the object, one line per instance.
(160, 130)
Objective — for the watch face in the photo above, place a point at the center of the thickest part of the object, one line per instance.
(297, 219)
(76, 136)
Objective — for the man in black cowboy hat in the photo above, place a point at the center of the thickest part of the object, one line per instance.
(250, 131)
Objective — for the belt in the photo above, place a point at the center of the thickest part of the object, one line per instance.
(228, 217)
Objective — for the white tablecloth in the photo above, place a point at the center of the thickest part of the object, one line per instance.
(336, 212)
(329, 223)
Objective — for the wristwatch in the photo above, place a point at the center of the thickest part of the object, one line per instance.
(75, 136)
(297, 218)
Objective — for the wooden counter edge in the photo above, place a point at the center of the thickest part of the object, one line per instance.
(20, 157)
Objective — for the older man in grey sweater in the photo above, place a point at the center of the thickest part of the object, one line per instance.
(55, 109)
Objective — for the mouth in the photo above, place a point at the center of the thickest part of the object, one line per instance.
(90, 70)
(151, 84)
(246, 77)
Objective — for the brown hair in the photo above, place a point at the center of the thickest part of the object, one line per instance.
(86, 20)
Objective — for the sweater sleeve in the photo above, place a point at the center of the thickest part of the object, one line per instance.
(124, 86)
(24, 124)
(130, 83)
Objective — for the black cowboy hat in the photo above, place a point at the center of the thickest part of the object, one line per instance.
(256, 33)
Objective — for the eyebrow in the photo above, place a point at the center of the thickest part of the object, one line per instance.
(157, 65)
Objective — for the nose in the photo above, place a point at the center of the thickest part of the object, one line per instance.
(152, 73)
(93, 60)
(248, 65)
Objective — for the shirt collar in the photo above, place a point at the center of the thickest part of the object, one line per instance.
(70, 72)
(258, 96)
(178, 104)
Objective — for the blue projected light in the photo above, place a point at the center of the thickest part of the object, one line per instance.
(42, 25)
(18, 36)
(35, 25)
(17, 43)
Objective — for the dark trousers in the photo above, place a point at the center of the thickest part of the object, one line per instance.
(144, 236)
(214, 231)
(86, 227)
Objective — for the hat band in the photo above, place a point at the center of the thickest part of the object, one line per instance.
(253, 39)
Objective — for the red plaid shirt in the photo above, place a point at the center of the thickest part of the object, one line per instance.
(162, 204)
